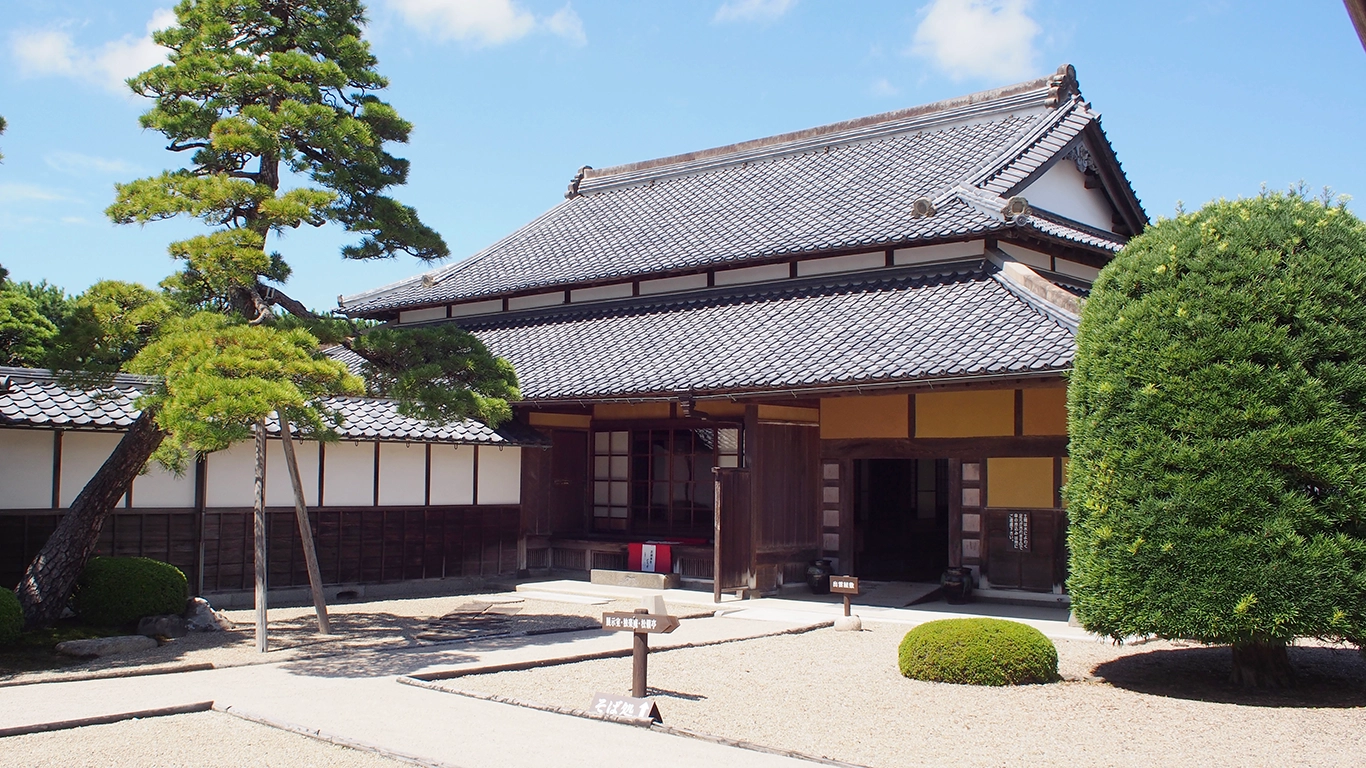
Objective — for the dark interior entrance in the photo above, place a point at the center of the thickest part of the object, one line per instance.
(901, 518)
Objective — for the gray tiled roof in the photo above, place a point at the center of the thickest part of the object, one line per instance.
(32, 397)
(834, 189)
(899, 325)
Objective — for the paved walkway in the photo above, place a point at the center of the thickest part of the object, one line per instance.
(355, 699)
(800, 607)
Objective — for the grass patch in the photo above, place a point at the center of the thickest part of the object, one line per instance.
(36, 649)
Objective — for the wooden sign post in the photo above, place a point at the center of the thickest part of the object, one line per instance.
(641, 625)
(846, 586)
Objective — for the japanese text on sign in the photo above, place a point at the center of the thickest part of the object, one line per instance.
(1018, 531)
(639, 711)
(646, 623)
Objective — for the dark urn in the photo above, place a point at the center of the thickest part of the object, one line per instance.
(957, 584)
(818, 577)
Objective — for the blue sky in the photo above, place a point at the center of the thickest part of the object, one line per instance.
(1201, 99)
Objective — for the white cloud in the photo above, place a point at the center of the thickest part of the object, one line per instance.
(991, 39)
(752, 10)
(47, 52)
(567, 24)
(78, 164)
(883, 87)
(478, 22)
(15, 192)
(52, 52)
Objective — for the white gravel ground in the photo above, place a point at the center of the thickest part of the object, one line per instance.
(201, 740)
(839, 695)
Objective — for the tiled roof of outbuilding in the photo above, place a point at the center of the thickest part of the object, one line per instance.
(899, 325)
(835, 188)
(33, 397)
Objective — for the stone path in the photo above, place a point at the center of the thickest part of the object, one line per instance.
(355, 699)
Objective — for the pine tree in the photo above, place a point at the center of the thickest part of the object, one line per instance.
(274, 103)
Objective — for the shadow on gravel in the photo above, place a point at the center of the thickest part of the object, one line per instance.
(448, 640)
(1325, 677)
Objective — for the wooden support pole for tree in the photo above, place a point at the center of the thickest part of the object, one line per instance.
(315, 579)
(259, 526)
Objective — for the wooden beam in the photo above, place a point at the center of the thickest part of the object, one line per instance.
(944, 447)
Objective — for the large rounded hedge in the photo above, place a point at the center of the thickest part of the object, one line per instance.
(11, 617)
(120, 590)
(1217, 418)
(978, 652)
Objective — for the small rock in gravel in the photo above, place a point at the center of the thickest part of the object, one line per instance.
(106, 646)
(201, 617)
(162, 626)
(849, 624)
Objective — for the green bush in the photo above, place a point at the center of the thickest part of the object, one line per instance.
(11, 617)
(978, 652)
(1217, 423)
(120, 590)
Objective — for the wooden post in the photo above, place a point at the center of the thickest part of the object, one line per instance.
(846, 605)
(259, 526)
(640, 654)
(716, 539)
(315, 578)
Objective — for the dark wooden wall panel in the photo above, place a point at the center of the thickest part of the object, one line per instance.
(354, 545)
(786, 486)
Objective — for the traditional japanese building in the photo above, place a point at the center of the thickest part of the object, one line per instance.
(393, 499)
(846, 342)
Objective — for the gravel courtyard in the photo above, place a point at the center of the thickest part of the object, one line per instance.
(838, 695)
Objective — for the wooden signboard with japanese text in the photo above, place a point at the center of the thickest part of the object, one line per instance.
(650, 623)
(844, 585)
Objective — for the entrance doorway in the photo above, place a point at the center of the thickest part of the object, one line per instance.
(901, 519)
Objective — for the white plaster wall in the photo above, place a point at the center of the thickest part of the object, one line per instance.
(537, 300)
(422, 315)
(853, 263)
(1062, 190)
(452, 474)
(1077, 270)
(279, 491)
(760, 274)
(26, 468)
(402, 474)
(926, 254)
(160, 487)
(476, 308)
(602, 292)
(82, 455)
(500, 475)
(671, 284)
(349, 475)
(1026, 255)
(230, 480)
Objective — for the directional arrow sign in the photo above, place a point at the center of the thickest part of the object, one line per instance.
(649, 623)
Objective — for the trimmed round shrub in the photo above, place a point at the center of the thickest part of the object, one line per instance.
(978, 652)
(1217, 484)
(120, 590)
(11, 617)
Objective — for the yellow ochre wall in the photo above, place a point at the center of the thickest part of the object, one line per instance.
(1020, 482)
(879, 416)
(1045, 411)
(788, 413)
(973, 413)
(567, 420)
